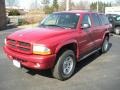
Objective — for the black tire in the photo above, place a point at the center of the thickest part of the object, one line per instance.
(117, 30)
(105, 45)
(58, 71)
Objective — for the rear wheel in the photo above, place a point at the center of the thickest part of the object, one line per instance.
(105, 45)
(117, 30)
(65, 65)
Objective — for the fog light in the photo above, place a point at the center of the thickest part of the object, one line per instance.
(37, 65)
(10, 57)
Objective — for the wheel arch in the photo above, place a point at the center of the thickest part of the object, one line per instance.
(107, 34)
(66, 46)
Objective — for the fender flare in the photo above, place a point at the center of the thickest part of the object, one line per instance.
(65, 43)
(107, 32)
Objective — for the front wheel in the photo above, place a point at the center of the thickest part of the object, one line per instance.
(65, 65)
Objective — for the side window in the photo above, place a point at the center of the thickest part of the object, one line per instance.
(101, 19)
(104, 19)
(118, 18)
(95, 19)
(86, 20)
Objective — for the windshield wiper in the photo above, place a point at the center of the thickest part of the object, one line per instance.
(52, 25)
(65, 27)
(56, 26)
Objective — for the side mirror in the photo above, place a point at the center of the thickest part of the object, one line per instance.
(85, 26)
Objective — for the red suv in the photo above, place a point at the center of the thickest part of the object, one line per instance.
(61, 40)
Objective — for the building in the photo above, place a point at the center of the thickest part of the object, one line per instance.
(112, 10)
(2, 14)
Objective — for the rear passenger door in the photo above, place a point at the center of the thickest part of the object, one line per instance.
(98, 30)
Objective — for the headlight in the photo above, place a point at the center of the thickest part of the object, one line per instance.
(41, 49)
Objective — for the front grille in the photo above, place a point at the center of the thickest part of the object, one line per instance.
(11, 41)
(19, 46)
(24, 44)
(23, 49)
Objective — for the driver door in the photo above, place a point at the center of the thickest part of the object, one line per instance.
(86, 41)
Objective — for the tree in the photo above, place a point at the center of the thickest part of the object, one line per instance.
(14, 12)
(118, 2)
(48, 9)
(55, 5)
(62, 5)
(35, 4)
(72, 5)
(82, 5)
(93, 6)
(45, 2)
(101, 5)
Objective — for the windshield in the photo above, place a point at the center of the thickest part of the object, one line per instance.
(118, 18)
(63, 20)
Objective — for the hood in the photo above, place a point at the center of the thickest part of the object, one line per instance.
(38, 34)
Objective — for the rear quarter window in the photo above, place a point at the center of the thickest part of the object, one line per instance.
(104, 19)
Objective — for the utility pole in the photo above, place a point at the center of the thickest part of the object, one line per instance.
(67, 5)
(2, 14)
(97, 6)
(36, 4)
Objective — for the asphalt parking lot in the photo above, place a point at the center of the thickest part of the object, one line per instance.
(97, 72)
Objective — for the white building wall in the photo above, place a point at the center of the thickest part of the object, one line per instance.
(112, 10)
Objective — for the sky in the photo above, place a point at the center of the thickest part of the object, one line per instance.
(26, 4)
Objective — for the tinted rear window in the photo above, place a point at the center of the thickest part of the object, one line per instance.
(96, 19)
(104, 19)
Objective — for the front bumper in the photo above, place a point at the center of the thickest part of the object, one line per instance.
(31, 61)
